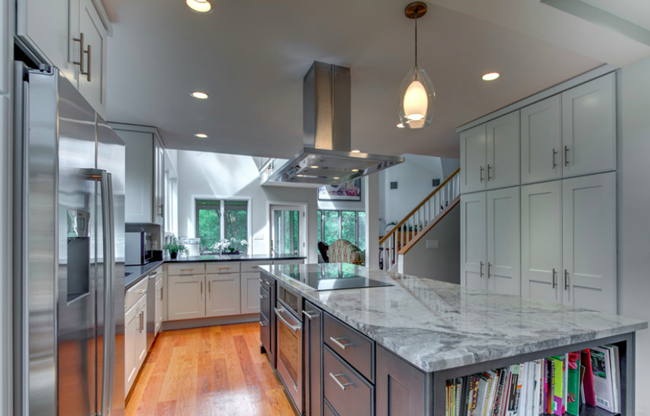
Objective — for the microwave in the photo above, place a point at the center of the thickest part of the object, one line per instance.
(139, 248)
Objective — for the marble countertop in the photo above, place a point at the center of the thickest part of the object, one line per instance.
(437, 326)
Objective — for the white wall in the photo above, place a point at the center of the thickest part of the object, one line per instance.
(213, 175)
(634, 213)
(442, 263)
(414, 182)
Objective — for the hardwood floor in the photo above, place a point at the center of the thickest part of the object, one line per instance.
(208, 371)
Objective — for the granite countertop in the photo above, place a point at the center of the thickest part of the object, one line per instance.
(138, 272)
(437, 326)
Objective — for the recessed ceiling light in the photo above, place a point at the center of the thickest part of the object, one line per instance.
(491, 76)
(201, 135)
(356, 151)
(355, 170)
(199, 6)
(200, 95)
(300, 176)
(400, 126)
(336, 177)
(314, 167)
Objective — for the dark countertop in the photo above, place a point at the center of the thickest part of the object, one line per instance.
(138, 272)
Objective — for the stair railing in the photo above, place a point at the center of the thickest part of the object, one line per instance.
(433, 207)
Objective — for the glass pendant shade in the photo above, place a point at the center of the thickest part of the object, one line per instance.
(416, 99)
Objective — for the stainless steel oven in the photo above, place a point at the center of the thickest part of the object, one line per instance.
(289, 351)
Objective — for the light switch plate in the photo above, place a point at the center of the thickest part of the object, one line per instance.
(432, 243)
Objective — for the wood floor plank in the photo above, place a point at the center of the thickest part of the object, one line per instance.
(208, 371)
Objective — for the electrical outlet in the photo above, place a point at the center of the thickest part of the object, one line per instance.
(258, 237)
(432, 243)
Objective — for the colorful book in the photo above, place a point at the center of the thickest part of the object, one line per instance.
(573, 389)
(588, 381)
(472, 395)
(498, 401)
(616, 376)
(558, 386)
(513, 391)
(459, 390)
(603, 384)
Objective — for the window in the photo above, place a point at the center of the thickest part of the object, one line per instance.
(348, 225)
(221, 219)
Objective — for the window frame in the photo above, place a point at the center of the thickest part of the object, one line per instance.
(221, 208)
(321, 219)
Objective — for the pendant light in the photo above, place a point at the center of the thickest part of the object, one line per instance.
(416, 94)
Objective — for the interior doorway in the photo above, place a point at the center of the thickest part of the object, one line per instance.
(288, 229)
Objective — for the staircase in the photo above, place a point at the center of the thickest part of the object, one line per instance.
(419, 221)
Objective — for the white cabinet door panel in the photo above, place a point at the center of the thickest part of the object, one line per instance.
(185, 297)
(503, 153)
(131, 322)
(589, 228)
(504, 251)
(159, 305)
(223, 297)
(473, 240)
(141, 334)
(541, 245)
(139, 180)
(541, 141)
(589, 127)
(250, 292)
(473, 148)
(92, 86)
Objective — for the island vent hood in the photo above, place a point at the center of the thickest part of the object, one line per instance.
(327, 158)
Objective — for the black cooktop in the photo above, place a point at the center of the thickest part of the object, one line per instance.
(331, 279)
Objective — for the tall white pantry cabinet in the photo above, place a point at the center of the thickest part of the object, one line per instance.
(547, 230)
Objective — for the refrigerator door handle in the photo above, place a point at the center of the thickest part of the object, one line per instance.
(106, 186)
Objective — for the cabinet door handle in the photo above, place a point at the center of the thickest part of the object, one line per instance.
(481, 174)
(566, 155)
(339, 343)
(488, 172)
(209, 286)
(141, 318)
(554, 278)
(161, 292)
(90, 63)
(341, 385)
(310, 316)
(554, 155)
(80, 62)
(201, 287)
(263, 297)
(480, 270)
(263, 323)
(489, 266)
(566, 279)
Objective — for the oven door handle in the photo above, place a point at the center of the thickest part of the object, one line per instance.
(278, 313)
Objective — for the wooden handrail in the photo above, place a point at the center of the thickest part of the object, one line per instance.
(428, 227)
(435, 191)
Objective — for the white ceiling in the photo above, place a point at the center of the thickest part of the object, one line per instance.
(251, 56)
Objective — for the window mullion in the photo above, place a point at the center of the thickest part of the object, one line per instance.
(222, 216)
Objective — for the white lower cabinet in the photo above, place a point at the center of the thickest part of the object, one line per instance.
(135, 341)
(223, 298)
(473, 239)
(490, 254)
(569, 242)
(250, 292)
(185, 297)
(159, 306)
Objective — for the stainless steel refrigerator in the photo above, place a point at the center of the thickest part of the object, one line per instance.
(69, 261)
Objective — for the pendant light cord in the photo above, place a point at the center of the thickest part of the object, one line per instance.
(416, 40)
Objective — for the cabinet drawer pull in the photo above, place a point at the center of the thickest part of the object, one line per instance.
(566, 155)
(263, 297)
(153, 275)
(566, 279)
(263, 323)
(223, 268)
(554, 162)
(554, 278)
(255, 267)
(488, 172)
(310, 316)
(186, 270)
(481, 174)
(339, 344)
(341, 385)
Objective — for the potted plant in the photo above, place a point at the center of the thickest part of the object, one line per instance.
(174, 247)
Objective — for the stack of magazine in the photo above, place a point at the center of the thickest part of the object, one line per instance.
(559, 385)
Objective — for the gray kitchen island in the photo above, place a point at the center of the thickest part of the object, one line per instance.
(388, 344)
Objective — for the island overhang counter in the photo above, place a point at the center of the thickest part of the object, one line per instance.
(443, 331)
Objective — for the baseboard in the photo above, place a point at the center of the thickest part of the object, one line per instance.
(203, 322)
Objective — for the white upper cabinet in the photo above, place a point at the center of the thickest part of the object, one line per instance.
(541, 241)
(589, 243)
(159, 182)
(589, 127)
(473, 253)
(92, 82)
(504, 252)
(473, 150)
(70, 35)
(541, 141)
(502, 168)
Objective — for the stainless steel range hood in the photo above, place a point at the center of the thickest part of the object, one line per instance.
(327, 158)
